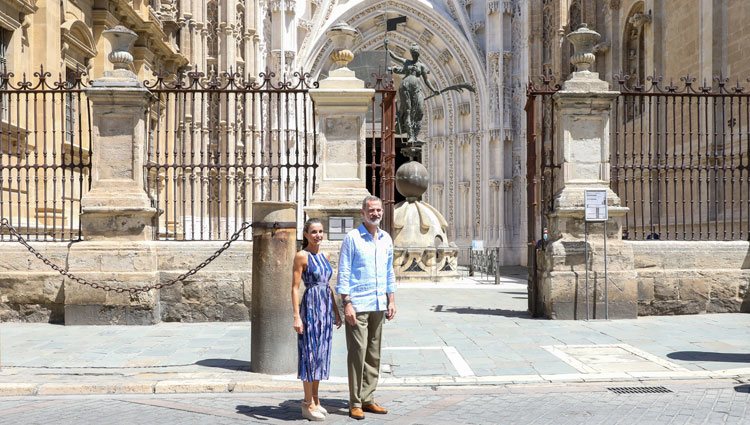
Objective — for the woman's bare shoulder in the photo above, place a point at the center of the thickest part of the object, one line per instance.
(301, 256)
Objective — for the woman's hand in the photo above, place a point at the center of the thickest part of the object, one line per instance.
(298, 325)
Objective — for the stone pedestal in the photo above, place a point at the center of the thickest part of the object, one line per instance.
(117, 217)
(341, 102)
(582, 152)
(564, 269)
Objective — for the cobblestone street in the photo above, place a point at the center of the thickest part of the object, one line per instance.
(691, 402)
(458, 353)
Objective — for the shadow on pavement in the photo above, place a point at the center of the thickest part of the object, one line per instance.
(745, 388)
(285, 411)
(290, 410)
(708, 356)
(230, 364)
(486, 311)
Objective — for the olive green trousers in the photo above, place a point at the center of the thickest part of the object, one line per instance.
(363, 359)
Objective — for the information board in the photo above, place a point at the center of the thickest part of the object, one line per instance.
(595, 204)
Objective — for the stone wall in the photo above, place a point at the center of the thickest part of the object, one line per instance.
(683, 44)
(32, 292)
(692, 277)
(738, 38)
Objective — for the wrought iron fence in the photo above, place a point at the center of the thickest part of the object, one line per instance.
(381, 155)
(680, 159)
(540, 155)
(216, 144)
(45, 154)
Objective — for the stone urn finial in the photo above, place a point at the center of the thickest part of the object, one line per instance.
(583, 40)
(121, 39)
(342, 36)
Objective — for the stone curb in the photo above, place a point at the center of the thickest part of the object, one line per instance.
(275, 384)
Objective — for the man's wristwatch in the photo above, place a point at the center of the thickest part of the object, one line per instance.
(345, 302)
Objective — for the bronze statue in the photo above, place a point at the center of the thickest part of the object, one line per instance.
(411, 98)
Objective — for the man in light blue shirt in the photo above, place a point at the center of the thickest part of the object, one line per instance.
(367, 285)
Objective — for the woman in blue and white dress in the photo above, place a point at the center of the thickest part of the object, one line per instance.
(314, 317)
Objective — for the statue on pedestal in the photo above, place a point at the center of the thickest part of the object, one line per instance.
(410, 96)
(422, 250)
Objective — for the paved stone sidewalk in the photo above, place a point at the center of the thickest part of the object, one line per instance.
(711, 402)
(460, 333)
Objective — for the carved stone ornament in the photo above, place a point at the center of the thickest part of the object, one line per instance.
(583, 40)
(445, 56)
(476, 26)
(640, 19)
(121, 39)
(342, 36)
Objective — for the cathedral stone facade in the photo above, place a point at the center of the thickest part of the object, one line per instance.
(475, 142)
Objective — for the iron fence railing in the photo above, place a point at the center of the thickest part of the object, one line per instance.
(540, 155)
(381, 141)
(216, 144)
(45, 154)
(679, 158)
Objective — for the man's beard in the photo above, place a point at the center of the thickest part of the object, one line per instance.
(375, 223)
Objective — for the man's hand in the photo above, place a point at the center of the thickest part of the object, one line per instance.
(391, 313)
(350, 315)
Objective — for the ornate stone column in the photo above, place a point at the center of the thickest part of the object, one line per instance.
(582, 140)
(117, 217)
(341, 103)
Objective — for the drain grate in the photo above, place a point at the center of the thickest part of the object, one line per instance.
(639, 390)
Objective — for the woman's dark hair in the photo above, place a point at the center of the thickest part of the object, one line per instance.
(306, 229)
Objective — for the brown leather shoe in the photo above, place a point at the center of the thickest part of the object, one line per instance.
(356, 413)
(374, 408)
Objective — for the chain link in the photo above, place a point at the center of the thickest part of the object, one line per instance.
(246, 225)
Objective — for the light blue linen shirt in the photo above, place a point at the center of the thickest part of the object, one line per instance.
(366, 269)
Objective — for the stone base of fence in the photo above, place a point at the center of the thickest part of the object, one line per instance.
(32, 292)
(692, 277)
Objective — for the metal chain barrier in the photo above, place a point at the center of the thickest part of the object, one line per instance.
(246, 225)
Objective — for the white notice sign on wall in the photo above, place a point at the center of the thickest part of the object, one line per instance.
(595, 205)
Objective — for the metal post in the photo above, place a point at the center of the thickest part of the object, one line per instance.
(606, 280)
(586, 262)
(471, 262)
(497, 265)
(273, 343)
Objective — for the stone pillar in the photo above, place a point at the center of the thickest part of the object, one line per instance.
(341, 103)
(117, 217)
(273, 345)
(581, 149)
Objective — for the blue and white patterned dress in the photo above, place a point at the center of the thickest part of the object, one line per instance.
(316, 312)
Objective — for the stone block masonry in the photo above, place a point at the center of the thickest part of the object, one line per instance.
(691, 277)
(32, 292)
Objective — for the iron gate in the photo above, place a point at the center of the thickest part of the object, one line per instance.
(217, 144)
(381, 155)
(540, 174)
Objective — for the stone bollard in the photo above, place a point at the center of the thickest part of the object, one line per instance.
(273, 345)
